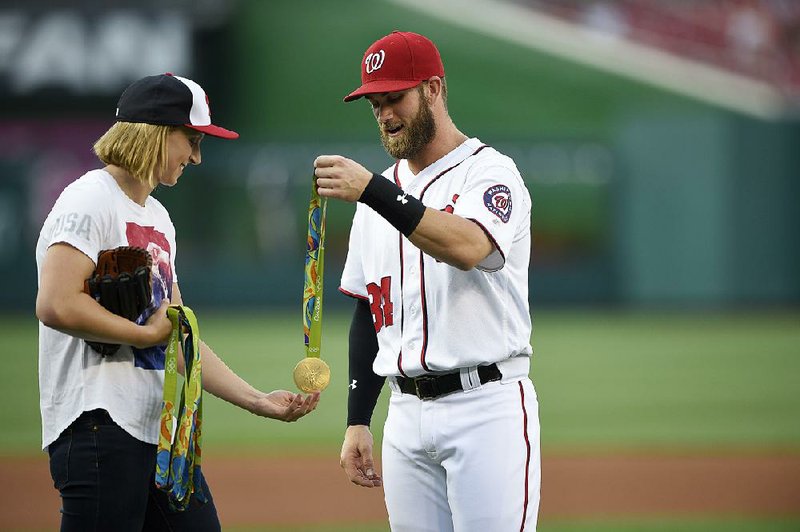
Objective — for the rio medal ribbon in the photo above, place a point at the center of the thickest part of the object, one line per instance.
(178, 456)
(312, 374)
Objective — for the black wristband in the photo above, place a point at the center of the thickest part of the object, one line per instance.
(398, 208)
(365, 385)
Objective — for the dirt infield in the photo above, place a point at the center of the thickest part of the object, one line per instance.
(252, 491)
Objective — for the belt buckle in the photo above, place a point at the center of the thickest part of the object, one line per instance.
(426, 387)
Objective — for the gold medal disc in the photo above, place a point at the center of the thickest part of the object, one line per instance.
(312, 374)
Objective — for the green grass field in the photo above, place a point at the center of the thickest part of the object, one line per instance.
(607, 381)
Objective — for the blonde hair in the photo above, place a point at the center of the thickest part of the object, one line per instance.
(141, 149)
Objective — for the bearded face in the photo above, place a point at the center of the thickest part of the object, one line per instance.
(414, 134)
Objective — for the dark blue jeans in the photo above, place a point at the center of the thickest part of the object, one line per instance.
(106, 480)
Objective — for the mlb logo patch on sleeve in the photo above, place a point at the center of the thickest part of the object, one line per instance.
(497, 199)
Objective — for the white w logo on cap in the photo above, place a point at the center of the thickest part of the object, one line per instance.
(374, 61)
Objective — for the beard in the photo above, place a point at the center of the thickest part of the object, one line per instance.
(415, 135)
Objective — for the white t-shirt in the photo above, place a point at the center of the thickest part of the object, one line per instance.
(432, 317)
(93, 214)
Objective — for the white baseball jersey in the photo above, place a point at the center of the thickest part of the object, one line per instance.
(430, 316)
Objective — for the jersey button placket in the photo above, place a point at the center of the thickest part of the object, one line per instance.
(412, 329)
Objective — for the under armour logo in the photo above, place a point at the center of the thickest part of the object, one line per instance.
(352, 385)
(402, 198)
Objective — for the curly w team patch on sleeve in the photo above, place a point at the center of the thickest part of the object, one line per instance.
(497, 199)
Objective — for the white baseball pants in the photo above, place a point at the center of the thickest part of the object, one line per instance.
(464, 462)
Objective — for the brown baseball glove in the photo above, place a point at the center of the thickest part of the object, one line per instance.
(122, 284)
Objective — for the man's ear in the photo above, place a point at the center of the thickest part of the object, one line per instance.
(433, 88)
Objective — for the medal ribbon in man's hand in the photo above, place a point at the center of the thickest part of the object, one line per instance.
(312, 373)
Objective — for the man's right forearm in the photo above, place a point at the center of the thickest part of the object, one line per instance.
(365, 385)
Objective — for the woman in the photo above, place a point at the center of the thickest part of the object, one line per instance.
(100, 414)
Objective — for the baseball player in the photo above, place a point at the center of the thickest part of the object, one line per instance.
(100, 413)
(438, 265)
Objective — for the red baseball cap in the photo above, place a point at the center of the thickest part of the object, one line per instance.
(169, 100)
(397, 62)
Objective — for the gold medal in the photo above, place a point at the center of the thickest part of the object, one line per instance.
(312, 374)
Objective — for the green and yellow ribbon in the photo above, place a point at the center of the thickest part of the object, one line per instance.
(178, 459)
(314, 271)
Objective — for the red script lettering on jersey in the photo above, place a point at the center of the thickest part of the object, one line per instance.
(380, 303)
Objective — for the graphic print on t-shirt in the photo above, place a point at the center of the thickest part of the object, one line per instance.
(157, 245)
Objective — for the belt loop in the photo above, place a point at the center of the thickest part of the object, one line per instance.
(393, 385)
(470, 380)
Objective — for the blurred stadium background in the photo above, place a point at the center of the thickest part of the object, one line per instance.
(659, 141)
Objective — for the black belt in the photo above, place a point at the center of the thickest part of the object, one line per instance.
(433, 386)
